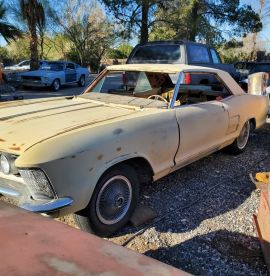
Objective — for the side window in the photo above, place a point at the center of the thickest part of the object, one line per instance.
(215, 56)
(201, 87)
(70, 66)
(198, 54)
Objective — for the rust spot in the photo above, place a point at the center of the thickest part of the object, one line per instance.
(15, 148)
(2, 140)
(119, 149)
(100, 157)
(13, 145)
(117, 131)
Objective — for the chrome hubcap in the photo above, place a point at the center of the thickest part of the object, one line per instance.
(82, 81)
(244, 135)
(56, 85)
(114, 200)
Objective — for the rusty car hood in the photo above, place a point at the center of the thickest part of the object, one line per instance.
(26, 123)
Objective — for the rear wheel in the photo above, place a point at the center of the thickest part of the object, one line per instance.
(240, 143)
(56, 85)
(112, 203)
(81, 81)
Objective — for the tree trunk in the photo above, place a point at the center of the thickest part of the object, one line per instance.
(194, 21)
(144, 22)
(34, 62)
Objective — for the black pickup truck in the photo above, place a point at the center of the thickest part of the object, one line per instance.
(182, 52)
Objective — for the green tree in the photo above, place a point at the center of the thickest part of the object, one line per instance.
(205, 20)
(7, 31)
(135, 15)
(88, 31)
(33, 13)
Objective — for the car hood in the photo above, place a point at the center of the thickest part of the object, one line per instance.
(26, 123)
(38, 73)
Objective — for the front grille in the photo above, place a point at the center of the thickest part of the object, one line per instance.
(31, 78)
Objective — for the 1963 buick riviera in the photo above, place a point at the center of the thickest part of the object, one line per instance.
(89, 154)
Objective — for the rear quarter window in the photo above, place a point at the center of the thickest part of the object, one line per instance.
(198, 54)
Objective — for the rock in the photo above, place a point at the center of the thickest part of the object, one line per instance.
(141, 215)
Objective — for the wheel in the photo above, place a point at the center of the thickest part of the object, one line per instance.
(240, 143)
(81, 81)
(112, 204)
(56, 85)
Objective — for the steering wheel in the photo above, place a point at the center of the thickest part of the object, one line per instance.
(157, 97)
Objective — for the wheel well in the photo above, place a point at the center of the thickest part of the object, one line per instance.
(252, 123)
(142, 167)
(56, 79)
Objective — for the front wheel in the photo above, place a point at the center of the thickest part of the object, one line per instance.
(81, 81)
(240, 143)
(56, 85)
(112, 203)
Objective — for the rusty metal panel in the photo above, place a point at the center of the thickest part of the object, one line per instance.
(262, 218)
(35, 245)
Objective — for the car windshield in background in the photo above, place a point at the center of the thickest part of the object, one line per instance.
(137, 84)
(53, 66)
(156, 54)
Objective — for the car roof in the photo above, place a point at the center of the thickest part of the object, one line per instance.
(177, 68)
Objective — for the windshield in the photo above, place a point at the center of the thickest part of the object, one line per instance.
(137, 84)
(53, 66)
(163, 53)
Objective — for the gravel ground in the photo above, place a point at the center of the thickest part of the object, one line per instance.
(204, 224)
(204, 211)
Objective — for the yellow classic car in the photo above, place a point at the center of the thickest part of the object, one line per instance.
(134, 124)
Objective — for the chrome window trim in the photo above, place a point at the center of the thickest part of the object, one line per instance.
(176, 89)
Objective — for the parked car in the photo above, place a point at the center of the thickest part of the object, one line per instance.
(180, 52)
(89, 154)
(54, 74)
(244, 68)
(21, 66)
(256, 67)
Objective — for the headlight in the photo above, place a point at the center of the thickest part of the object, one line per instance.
(7, 164)
(38, 183)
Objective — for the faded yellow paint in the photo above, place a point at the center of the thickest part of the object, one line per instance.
(76, 139)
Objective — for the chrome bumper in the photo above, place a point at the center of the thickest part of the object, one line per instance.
(14, 187)
(47, 206)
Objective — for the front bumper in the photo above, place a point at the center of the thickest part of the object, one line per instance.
(48, 207)
(14, 187)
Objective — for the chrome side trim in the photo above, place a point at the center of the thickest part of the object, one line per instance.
(176, 89)
(9, 192)
(48, 206)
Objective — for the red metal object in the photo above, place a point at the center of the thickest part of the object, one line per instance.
(262, 222)
(34, 245)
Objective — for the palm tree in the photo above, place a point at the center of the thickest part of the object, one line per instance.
(33, 13)
(7, 31)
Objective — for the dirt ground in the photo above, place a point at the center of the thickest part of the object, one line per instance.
(204, 211)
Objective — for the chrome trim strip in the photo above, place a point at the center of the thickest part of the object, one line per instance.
(48, 206)
(9, 192)
(176, 90)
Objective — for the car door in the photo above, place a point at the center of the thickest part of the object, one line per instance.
(203, 123)
(70, 73)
